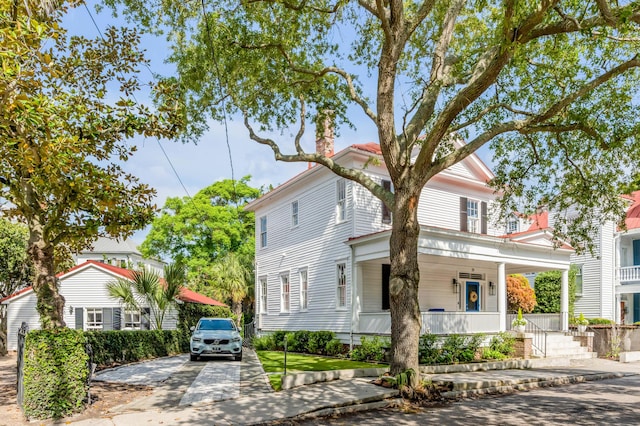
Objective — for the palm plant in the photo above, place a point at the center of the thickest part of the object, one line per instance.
(145, 288)
(231, 281)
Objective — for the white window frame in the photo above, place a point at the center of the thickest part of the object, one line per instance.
(513, 224)
(341, 200)
(473, 221)
(295, 213)
(94, 324)
(303, 275)
(263, 295)
(341, 285)
(263, 231)
(128, 320)
(580, 276)
(285, 293)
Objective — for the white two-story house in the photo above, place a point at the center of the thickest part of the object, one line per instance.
(322, 251)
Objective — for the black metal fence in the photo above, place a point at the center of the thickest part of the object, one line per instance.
(249, 331)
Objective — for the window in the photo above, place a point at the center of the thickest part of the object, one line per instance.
(341, 203)
(294, 213)
(342, 285)
(386, 213)
(473, 217)
(263, 294)
(285, 298)
(304, 290)
(513, 224)
(578, 279)
(132, 319)
(263, 231)
(94, 318)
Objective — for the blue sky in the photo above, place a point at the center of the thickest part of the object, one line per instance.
(200, 165)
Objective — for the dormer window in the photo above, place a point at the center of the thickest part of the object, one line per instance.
(513, 224)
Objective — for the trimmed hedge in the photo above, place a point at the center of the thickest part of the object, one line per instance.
(302, 341)
(190, 313)
(56, 372)
(126, 346)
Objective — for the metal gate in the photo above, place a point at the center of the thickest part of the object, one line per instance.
(249, 333)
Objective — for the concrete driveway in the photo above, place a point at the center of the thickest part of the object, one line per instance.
(180, 382)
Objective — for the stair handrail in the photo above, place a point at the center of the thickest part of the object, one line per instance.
(539, 340)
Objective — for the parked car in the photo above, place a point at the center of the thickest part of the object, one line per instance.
(215, 336)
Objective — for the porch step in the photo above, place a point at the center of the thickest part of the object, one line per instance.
(561, 345)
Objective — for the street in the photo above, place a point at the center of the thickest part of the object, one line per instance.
(606, 402)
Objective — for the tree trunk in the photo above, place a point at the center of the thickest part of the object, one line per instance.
(50, 304)
(403, 285)
(236, 308)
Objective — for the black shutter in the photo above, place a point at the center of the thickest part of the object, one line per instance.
(483, 217)
(386, 274)
(386, 213)
(79, 318)
(107, 318)
(463, 214)
(145, 319)
(117, 314)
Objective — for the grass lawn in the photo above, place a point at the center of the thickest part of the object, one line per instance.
(273, 362)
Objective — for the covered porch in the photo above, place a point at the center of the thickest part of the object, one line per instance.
(627, 290)
(462, 280)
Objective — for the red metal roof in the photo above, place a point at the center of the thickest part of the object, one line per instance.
(633, 214)
(186, 295)
(371, 147)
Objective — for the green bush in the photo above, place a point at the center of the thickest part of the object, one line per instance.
(264, 343)
(548, 288)
(318, 341)
(428, 349)
(457, 348)
(297, 341)
(503, 343)
(278, 338)
(56, 372)
(600, 321)
(334, 347)
(488, 353)
(370, 349)
(126, 346)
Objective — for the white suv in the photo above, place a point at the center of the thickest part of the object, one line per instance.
(215, 336)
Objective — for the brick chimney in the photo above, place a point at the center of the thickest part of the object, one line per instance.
(325, 134)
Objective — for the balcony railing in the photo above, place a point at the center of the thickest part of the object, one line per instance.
(629, 274)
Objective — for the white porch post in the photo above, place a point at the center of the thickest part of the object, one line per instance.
(564, 301)
(355, 298)
(502, 296)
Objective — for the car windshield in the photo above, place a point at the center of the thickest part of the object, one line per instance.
(216, 324)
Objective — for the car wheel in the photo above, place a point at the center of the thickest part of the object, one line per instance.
(238, 357)
(193, 357)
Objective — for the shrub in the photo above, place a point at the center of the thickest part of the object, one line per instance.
(428, 349)
(297, 341)
(278, 339)
(56, 372)
(318, 341)
(126, 346)
(190, 313)
(503, 343)
(548, 287)
(370, 349)
(600, 321)
(264, 343)
(488, 353)
(520, 295)
(334, 347)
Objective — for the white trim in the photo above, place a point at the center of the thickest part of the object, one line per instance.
(282, 275)
(339, 306)
(304, 292)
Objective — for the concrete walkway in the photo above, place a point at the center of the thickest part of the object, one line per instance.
(259, 405)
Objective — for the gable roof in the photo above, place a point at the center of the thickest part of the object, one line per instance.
(112, 245)
(186, 295)
(632, 219)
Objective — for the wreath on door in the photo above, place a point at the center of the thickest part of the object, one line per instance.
(473, 296)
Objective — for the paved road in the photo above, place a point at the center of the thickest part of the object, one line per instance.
(606, 402)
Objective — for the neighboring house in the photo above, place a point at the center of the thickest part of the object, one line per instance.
(118, 253)
(88, 305)
(627, 263)
(322, 251)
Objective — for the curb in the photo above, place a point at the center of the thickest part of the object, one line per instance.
(529, 384)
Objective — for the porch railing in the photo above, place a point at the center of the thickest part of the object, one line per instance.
(548, 322)
(436, 322)
(628, 274)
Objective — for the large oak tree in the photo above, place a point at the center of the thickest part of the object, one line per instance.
(549, 84)
(64, 129)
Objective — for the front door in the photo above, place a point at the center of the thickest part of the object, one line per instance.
(622, 312)
(636, 252)
(473, 296)
(636, 307)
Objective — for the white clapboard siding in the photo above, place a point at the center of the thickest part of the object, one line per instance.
(590, 302)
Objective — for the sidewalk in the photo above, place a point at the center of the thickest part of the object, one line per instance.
(350, 395)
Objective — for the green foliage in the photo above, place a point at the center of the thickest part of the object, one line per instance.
(370, 349)
(490, 354)
(56, 372)
(548, 287)
(428, 349)
(520, 295)
(265, 343)
(334, 348)
(126, 346)
(600, 321)
(319, 342)
(190, 313)
(297, 341)
(15, 266)
(503, 343)
(581, 320)
(457, 348)
(519, 320)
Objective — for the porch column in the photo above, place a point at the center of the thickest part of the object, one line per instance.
(564, 301)
(502, 296)
(356, 290)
